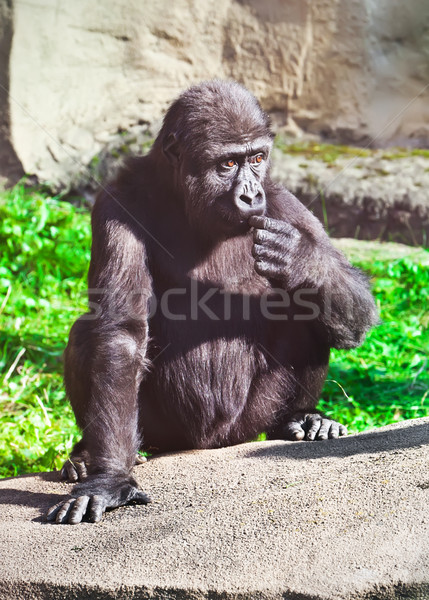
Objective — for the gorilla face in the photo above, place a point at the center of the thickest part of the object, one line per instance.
(225, 191)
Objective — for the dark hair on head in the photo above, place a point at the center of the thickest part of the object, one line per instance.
(215, 111)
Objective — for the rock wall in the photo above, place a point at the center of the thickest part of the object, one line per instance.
(9, 162)
(79, 72)
(373, 197)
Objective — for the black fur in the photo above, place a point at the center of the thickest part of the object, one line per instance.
(199, 221)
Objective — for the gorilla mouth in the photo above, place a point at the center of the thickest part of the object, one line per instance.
(232, 221)
(232, 218)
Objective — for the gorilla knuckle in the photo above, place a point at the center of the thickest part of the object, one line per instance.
(260, 236)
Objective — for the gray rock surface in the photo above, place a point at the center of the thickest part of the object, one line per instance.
(10, 167)
(343, 519)
(370, 197)
(79, 72)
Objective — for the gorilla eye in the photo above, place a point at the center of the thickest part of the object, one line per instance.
(257, 159)
(229, 164)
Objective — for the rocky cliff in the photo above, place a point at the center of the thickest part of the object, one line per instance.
(79, 72)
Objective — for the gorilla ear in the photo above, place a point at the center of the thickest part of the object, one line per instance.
(171, 149)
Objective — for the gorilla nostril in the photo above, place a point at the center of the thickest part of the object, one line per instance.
(246, 199)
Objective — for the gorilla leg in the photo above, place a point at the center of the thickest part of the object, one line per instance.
(77, 361)
(77, 358)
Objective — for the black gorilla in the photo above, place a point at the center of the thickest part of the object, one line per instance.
(215, 297)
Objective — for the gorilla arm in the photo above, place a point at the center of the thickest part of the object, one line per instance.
(116, 334)
(296, 251)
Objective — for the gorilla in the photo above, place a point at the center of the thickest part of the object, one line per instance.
(214, 299)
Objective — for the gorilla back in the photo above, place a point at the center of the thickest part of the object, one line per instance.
(215, 297)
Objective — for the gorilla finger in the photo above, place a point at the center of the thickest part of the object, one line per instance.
(261, 236)
(313, 424)
(293, 431)
(343, 429)
(141, 497)
(275, 226)
(53, 511)
(262, 223)
(74, 470)
(334, 430)
(79, 509)
(325, 430)
(257, 222)
(97, 506)
(265, 252)
(256, 250)
(267, 270)
(283, 243)
(286, 230)
(260, 267)
(81, 469)
(69, 471)
(63, 513)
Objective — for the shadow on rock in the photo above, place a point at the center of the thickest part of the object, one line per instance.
(41, 500)
(385, 440)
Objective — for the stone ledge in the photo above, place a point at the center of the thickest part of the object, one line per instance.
(370, 251)
(338, 520)
(364, 197)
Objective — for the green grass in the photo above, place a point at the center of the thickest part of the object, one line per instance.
(45, 249)
(387, 379)
(405, 153)
(43, 263)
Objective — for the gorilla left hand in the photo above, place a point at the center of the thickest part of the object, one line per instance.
(312, 426)
(275, 245)
(94, 496)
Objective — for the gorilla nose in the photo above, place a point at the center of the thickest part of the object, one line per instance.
(250, 203)
(247, 199)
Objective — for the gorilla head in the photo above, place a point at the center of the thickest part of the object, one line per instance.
(217, 140)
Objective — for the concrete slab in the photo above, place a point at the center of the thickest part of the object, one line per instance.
(337, 520)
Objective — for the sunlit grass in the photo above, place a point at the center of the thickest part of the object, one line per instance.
(45, 250)
(387, 379)
(44, 260)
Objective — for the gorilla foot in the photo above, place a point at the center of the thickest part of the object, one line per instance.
(94, 496)
(305, 426)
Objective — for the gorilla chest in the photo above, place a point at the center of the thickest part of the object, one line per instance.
(200, 309)
(217, 295)
(212, 342)
(211, 327)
